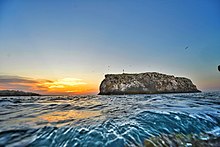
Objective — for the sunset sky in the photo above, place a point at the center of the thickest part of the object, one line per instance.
(66, 47)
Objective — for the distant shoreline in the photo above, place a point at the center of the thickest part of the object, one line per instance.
(17, 93)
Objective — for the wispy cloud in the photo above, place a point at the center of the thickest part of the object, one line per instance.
(20, 83)
(45, 86)
(15, 79)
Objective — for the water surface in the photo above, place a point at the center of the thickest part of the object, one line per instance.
(125, 120)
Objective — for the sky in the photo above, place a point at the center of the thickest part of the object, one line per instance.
(66, 47)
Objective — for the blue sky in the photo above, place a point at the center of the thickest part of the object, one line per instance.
(85, 39)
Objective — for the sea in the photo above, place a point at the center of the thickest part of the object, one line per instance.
(185, 119)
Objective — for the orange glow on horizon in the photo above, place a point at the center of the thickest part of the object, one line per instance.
(65, 86)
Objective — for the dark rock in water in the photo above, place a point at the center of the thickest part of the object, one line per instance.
(145, 83)
(183, 140)
(219, 68)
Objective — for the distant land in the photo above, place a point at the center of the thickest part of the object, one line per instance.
(17, 93)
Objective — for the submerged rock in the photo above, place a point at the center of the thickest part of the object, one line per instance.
(145, 83)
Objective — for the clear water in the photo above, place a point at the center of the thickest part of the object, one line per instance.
(117, 121)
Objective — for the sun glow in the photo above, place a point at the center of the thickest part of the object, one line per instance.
(67, 86)
(62, 83)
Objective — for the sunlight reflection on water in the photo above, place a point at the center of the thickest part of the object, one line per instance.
(68, 115)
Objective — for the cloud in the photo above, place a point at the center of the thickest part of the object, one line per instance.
(45, 86)
(15, 79)
(19, 83)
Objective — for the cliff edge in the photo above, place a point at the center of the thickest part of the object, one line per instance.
(145, 83)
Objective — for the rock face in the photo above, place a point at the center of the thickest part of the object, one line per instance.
(145, 83)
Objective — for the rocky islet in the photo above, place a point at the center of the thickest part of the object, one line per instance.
(145, 83)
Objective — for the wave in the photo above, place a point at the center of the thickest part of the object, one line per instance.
(128, 120)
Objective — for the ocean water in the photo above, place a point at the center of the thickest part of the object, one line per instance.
(190, 119)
